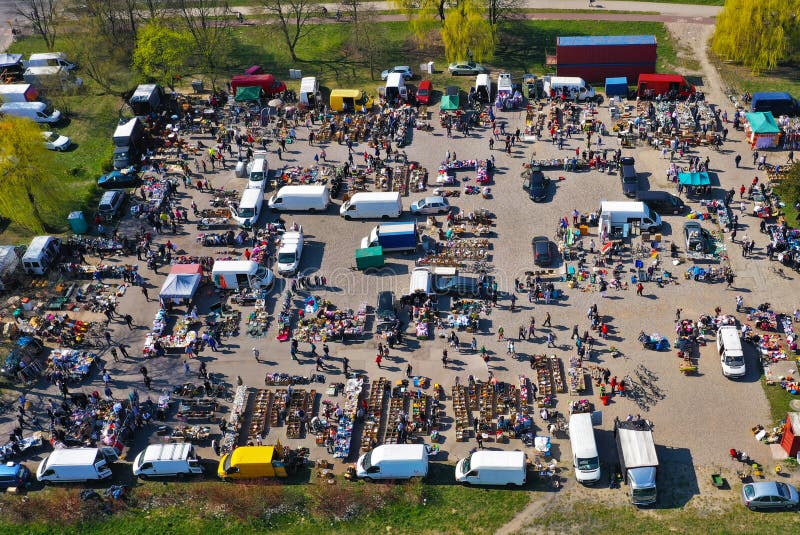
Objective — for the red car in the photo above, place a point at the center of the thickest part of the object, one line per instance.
(424, 91)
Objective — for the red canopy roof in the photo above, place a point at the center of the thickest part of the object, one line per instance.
(190, 269)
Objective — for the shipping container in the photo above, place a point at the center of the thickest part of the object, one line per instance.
(598, 73)
(606, 49)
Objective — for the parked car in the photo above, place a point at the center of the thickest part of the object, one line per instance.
(542, 251)
(628, 176)
(405, 70)
(384, 309)
(536, 184)
(769, 495)
(54, 141)
(424, 91)
(14, 474)
(118, 179)
(111, 202)
(466, 67)
(457, 285)
(431, 205)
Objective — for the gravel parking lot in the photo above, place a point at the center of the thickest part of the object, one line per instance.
(697, 421)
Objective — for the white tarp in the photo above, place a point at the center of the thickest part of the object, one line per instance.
(180, 286)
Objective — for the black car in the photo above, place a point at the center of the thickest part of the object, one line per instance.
(384, 310)
(628, 176)
(457, 285)
(542, 251)
(536, 184)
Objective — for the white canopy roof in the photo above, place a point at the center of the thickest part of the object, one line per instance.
(180, 286)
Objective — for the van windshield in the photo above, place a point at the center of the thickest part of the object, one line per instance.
(227, 464)
(363, 100)
(735, 360)
(256, 176)
(247, 212)
(466, 466)
(366, 465)
(592, 463)
(286, 258)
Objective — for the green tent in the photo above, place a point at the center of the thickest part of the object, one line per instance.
(370, 257)
(762, 122)
(450, 102)
(248, 93)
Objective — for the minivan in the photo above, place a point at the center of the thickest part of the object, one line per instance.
(493, 468)
(585, 458)
(167, 460)
(14, 475)
(372, 204)
(394, 461)
(76, 464)
(662, 202)
(249, 209)
(258, 171)
(50, 59)
(729, 346)
(110, 202)
(307, 197)
(41, 254)
(38, 112)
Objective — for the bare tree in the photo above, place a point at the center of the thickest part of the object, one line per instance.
(209, 23)
(499, 11)
(292, 18)
(41, 14)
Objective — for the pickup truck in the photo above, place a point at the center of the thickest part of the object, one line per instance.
(290, 252)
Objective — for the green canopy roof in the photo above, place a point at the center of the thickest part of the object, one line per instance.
(762, 122)
(450, 102)
(694, 179)
(248, 93)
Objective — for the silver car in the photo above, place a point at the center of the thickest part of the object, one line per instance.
(431, 205)
(769, 495)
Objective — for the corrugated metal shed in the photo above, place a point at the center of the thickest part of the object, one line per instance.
(607, 40)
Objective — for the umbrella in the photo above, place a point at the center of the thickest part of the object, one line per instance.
(275, 103)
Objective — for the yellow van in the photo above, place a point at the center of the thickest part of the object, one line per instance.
(248, 462)
(350, 100)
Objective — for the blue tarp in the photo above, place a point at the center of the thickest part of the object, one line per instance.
(617, 87)
(618, 40)
(694, 179)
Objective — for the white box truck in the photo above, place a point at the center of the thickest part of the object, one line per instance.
(249, 209)
(290, 252)
(310, 198)
(485, 467)
(585, 458)
(372, 205)
(394, 461)
(399, 236)
(237, 274)
(76, 464)
(638, 459)
(167, 460)
(731, 355)
(309, 95)
(18, 93)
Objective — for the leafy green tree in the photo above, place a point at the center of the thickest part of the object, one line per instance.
(161, 53)
(29, 190)
(466, 29)
(424, 16)
(759, 34)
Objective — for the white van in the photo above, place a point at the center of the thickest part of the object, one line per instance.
(394, 461)
(290, 252)
(309, 92)
(486, 467)
(238, 274)
(50, 59)
(249, 209)
(395, 88)
(258, 171)
(483, 88)
(41, 254)
(372, 204)
(38, 112)
(18, 93)
(421, 281)
(729, 346)
(585, 458)
(572, 87)
(621, 213)
(167, 460)
(76, 464)
(307, 197)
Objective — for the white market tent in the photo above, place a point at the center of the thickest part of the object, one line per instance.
(182, 282)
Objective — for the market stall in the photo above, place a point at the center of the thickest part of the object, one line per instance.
(70, 364)
(761, 130)
(181, 283)
(320, 321)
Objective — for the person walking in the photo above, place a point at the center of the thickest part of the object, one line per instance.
(500, 333)
(123, 351)
(479, 440)
(575, 331)
(379, 359)
(108, 338)
(129, 321)
(319, 363)
(551, 340)
(444, 358)
(114, 354)
(739, 303)
(409, 370)
(345, 365)
(639, 289)
(147, 382)
(546, 322)
(186, 369)
(521, 336)
(326, 351)
(144, 293)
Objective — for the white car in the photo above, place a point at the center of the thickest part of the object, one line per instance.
(431, 205)
(405, 70)
(55, 141)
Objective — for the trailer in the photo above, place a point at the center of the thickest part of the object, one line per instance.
(638, 459)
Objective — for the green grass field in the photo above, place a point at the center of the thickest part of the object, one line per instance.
(688, 2)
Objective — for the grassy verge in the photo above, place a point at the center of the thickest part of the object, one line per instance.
(215, 507)
(730, 517)
(778, 399)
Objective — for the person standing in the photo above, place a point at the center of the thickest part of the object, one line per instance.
(551, 340)
(186, 369)
(114, 354)
(409, 370)
(739, 303)
(444, 358)
(379, 359)
(575, 329)
(319, 363)
(345, 365)
(639, 289)
(129, 321)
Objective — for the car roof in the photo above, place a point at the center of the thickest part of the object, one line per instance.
(435, 198)
(764, 488)
(540, 239)
(451, 90)
(628, 160)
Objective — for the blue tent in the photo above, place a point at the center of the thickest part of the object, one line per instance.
(694, 179)
(617, 87)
